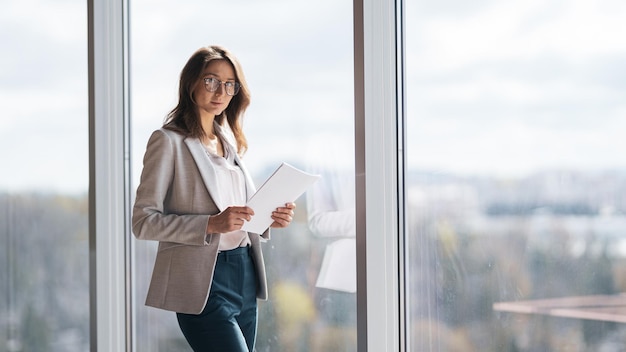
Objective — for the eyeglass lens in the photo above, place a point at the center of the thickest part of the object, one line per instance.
(213, 84)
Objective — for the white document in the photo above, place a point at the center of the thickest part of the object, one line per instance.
(285, 185)
(338, 270)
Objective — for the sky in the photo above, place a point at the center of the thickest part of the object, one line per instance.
(512, 87)
(493, 87)
(43, 96)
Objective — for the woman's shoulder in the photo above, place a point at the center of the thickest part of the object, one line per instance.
(171, 132)
(165, 138)
(168, 133)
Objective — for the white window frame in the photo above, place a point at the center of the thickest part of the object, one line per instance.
(109, 176)
(378, 159)
(379, 169)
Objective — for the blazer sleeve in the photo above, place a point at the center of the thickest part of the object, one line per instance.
(150, 219)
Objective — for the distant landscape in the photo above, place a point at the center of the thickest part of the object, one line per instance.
(472, 242)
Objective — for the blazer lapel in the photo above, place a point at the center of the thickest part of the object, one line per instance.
(205, 168)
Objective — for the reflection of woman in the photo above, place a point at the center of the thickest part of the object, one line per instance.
(191, 198)
(331, 216)
(330, 204)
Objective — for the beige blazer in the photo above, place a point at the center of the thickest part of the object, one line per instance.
(176, 194)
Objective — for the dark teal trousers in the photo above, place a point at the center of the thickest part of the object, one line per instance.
(229, 319)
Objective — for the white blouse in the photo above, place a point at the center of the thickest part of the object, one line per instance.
(231, 180)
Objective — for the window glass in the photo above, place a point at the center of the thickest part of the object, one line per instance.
(516, 179)
(44, 266)
(297, 57)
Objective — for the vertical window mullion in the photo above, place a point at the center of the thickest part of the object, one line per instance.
(108, 173)
(377, 164)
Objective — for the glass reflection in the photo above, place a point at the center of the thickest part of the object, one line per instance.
(44, 277)
(516, 192)
(302, 108)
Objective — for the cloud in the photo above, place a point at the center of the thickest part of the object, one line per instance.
(516, 86)
(513, 30)
(297, 57)
(491, 85)
(43, 96)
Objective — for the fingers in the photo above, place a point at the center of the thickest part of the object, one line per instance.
(238, 215)
(244, 210)
(287, 209)
(285, 212)
(231, 219)
(283, 216)
(234, 217)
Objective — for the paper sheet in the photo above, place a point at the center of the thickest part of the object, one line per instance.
(285, 185)
(338, 271)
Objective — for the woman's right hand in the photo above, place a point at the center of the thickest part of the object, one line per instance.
(231, 219)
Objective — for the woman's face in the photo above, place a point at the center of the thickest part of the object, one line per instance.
(213, 103)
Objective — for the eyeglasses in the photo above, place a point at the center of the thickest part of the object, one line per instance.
(213, 84)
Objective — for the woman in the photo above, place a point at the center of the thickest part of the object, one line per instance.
(191, 198)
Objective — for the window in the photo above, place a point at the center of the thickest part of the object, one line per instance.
(297, 57)
(515, 178)
(44, 262)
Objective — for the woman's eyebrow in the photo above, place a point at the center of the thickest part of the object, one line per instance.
(217, 76)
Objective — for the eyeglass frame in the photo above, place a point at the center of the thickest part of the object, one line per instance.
(235, 85)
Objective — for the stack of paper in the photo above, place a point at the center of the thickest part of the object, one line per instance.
(285, 185)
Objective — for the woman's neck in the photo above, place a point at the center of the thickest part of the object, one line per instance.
(210, 137)
(207, 125)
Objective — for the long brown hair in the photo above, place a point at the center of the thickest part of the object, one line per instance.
(184, 117)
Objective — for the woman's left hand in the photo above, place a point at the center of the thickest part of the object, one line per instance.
(282, 216)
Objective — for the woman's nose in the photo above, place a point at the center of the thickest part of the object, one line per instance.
(221, 89)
